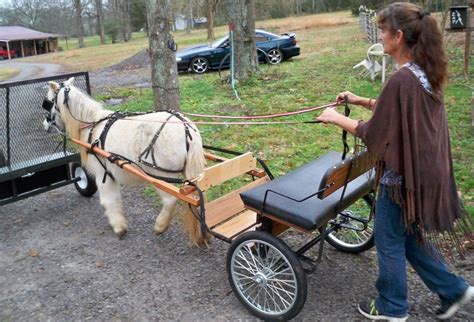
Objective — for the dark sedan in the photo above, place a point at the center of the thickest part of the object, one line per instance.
(200, 59)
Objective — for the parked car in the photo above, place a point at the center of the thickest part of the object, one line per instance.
(4, 53)
(200, 59)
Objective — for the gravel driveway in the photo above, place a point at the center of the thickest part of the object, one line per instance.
(31, 70)
(60, 261)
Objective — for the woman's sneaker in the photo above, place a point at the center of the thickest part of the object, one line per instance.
(367, 308)
(447, 311)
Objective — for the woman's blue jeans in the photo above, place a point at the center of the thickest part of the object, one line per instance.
(394, 247)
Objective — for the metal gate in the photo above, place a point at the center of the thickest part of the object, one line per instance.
(32, 161)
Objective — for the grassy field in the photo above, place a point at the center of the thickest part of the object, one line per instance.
(330, 46)
(8, 72)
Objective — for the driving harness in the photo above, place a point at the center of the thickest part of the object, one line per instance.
(110, 120)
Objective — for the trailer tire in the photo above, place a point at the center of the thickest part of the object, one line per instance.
(86, 186)
(260, 266)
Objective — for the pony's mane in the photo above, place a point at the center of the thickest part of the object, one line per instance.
(82, 108)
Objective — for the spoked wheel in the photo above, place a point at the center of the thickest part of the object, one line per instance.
(356, 232)
(86, 185)
(199, 65)
(266, 276)
(275, 56)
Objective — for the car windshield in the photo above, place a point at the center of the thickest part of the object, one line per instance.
(218, 42)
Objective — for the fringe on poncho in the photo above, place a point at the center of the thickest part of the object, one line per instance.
(408, 134)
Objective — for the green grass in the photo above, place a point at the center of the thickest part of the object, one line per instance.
(314, 78)
(90, 41)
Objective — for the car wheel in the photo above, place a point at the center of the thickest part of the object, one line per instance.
(275, 56)
(199, 65)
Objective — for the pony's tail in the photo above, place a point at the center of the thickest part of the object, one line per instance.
(195, 165)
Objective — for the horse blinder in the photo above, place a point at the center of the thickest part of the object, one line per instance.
(48, 105)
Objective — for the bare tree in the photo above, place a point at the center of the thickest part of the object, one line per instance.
(164, 73)
(241, 14)
(29, 12)
(211, 12)
(100, 20)
(79, 27)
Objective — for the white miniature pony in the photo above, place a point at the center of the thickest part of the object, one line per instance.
(174, 147)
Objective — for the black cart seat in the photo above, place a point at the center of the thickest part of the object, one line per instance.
(301, 183)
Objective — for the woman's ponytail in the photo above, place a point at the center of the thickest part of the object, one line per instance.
(428, 53)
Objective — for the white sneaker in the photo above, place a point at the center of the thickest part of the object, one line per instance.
(444, 313)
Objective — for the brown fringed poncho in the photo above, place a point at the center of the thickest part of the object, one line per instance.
(408, 134)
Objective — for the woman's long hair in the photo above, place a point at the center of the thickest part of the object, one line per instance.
(422, 37)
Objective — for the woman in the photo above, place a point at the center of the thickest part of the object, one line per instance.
(408, 135)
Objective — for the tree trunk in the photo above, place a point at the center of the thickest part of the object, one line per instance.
(79, 27)
(211, 12)
(100, 20)
(164, 72)
(127, 19)
(241, 14)
(189, 24)
(117, 9)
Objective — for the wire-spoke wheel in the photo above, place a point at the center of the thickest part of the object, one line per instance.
(199, 65)
(356, 232)
(266, 276)
(275, 56)
(86, 185)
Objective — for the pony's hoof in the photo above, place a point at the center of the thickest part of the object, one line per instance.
(160, 230)
(121, 234)
(203, 243)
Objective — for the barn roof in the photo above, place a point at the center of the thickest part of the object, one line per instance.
(11, 33)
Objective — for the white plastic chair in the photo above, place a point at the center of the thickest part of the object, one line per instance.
(371, 64)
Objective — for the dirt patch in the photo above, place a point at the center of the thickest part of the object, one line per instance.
(133, 71)
(138, 61)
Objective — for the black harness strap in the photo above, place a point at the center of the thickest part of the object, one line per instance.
(103, 164)
(111, 119)
(347, 112)
(151, 147)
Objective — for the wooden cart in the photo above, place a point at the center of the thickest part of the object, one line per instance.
(329, 199)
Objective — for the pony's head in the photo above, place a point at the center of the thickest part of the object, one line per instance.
(55, 102)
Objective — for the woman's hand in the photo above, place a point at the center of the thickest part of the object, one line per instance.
(352, 99)
(329, 116)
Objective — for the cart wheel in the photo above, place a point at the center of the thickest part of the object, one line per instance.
(356, 236)
(86, 186)
(266, 276)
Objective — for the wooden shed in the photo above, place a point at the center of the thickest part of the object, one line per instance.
(27, 42)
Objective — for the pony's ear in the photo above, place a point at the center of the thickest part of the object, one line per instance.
(53, 85)
(69, 81)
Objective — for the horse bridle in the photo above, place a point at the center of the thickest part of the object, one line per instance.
(48, 104)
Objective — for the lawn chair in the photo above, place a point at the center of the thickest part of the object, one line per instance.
(371, 63)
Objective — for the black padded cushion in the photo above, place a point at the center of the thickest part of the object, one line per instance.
(301, 183)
